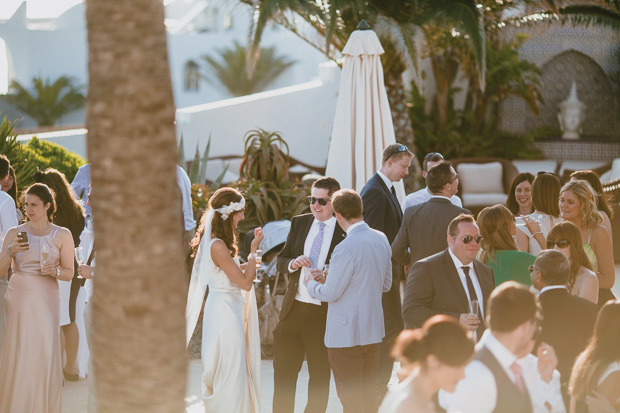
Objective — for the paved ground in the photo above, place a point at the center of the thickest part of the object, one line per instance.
(75, 394)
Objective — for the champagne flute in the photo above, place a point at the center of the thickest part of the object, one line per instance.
(79, 256)
(259, 263)
(474, 309)
(325, 270)
(44, 253)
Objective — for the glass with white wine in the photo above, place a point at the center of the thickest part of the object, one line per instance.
(44, 254)
(259, 263)
(79, 256)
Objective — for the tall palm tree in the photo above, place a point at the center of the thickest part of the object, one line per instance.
(49, 101)
(139, 355)
(230, 69)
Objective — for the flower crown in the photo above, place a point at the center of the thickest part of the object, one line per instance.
(226, 210)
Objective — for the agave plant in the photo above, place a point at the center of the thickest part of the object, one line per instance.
(23, 160)
(265, 157)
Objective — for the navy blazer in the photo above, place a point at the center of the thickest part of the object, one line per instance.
(293, 248)
(383, 213)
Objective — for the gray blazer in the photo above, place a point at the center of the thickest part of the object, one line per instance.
(360, 271)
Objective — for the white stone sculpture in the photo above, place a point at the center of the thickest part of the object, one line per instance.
(572, 114)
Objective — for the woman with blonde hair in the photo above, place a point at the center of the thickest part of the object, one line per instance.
(498, 248)
(230, 351)
(582, 281)
(597, 369)
(578, 205)
(602, 199)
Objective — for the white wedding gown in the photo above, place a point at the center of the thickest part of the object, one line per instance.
(231, 353)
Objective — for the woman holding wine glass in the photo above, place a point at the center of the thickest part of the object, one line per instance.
(578, 205)
(69, 214)
(31, 366)
(231, 354)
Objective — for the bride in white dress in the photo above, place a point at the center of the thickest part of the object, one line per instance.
(231, 353)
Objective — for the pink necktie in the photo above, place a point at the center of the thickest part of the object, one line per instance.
(516, 370)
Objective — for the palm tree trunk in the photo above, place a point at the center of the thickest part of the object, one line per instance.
(139, 353)
(403, 130)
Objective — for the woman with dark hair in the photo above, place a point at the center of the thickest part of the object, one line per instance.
(70, 215)
(532, 229)
(597, 369)
(582, 281)
(520, 195)
(435, 357)
(231, 353)
(578, 205)
(10, 187)
(40, 254)
(498, 248)
(602, 199)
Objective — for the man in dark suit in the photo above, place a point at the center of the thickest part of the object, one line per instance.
(301, 329)
(568, 320)
(382, 212)
(423, 231)
(448, 282)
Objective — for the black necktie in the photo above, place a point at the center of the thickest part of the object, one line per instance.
(474, 296)
(400, 212)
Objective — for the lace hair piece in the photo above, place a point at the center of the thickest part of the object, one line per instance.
(226, 210)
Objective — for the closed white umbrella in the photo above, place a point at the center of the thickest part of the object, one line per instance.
(363, 122)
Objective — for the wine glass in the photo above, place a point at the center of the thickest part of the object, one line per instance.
(474, 309)
(44, 254)
(259, 263)
(79, 256)
(325, 270)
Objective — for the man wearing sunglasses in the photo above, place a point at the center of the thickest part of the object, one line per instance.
(301, 330)
(505, 376)
(450, 281)
(422, 195)
(569, 320)
(423, 231)
(382, 212)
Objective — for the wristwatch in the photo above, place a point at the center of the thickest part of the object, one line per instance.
(8, 251)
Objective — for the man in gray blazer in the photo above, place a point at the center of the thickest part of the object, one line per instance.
(423, 230)
(360, 271)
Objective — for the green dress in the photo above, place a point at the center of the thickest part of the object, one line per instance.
(512, 265)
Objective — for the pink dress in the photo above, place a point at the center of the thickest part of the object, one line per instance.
(31, 369)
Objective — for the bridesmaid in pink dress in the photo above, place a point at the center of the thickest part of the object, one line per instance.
(31, 369)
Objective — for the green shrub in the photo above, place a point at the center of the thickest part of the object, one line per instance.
(55, 156)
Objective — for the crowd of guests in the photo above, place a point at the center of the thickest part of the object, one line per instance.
(509, 311)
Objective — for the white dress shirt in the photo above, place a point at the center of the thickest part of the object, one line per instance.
(328, 233)
(477, 392)
(474, 280)
(8, 218)
(423, 195)
(385, 179)
(553, 287)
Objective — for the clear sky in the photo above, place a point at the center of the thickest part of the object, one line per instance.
(37, 8)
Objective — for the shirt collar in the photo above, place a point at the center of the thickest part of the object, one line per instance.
(330, 223)
(553, 287)
(387, 181)
(501, 353)
(357, 224)
(441, 196)
(457, 263)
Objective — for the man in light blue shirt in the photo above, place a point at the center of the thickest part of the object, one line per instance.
(431, 159)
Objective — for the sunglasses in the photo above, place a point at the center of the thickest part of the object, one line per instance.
(432, 155)
(561, 243)
(468, 238)
(453, 179)
(398, 149)
(532, 268)
(321, 201)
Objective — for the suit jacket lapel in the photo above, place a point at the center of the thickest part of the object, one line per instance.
(300, 241)
(486, 285)
(453, 275)
(398, 210)
(336, 238)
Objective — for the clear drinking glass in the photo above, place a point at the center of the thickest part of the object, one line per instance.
(474, 308)
(79, 255)
(44, 254)
(325, 270)
(259, 264)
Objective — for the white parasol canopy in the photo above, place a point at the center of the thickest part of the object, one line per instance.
(363, 122)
